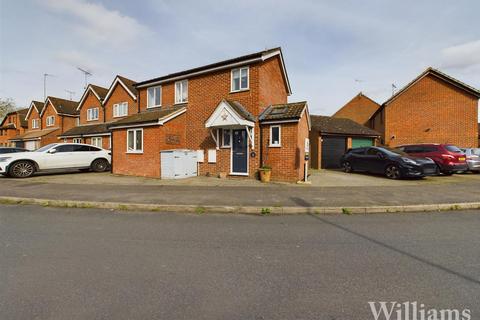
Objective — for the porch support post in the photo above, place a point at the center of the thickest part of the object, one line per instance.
(251, 136)
(215, 137)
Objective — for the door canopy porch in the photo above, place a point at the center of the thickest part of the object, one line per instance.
(230, 115)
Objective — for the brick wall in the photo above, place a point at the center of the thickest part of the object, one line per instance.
(50, 111)
(205, 93)
(146, 164)
(359, 109)
(432, 111)
(33, 115)
(89, 102)
(288, 161)
(119, 94)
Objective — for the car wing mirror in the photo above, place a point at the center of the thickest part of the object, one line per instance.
(381, 156)
(52, 151)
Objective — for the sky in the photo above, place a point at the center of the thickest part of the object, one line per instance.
(332, 49)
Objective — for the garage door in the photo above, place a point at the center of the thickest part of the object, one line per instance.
(333, 149)
(362, 142)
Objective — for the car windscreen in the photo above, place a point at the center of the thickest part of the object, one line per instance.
(453, 149)
(394, 152)
(45, 148)
(476, 151)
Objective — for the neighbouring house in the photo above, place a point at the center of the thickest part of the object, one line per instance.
(13, 124)
(100, 107)
(360, 109)
(91, 126)
(46, 121)
(433, 108)
(233, 113)
(330, 137)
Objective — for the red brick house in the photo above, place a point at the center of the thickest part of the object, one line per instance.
(46, 121)
(98, 108)
(234, 113)
(360, 109)
(13, 124)
(433, 108)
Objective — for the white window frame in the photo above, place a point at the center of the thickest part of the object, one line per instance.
(35, 123)
(223, 142)
(50, 121)
(181, 83)
(115, 111)
(77, 140)
(77, 122)
(90, 114)
(97, 140)
(279, 144)
(134, 150)
(232, 89)
(155, 97)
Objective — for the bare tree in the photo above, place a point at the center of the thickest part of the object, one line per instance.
(6, 105)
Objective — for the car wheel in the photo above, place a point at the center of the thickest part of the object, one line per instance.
(392, 172)
(21, 169)
(347, 167)
(99, 165)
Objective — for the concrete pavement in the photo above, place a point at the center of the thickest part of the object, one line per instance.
(92, 264)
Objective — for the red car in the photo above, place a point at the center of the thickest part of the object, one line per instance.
(448, 157)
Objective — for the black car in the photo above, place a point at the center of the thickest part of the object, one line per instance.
(11, 150)
(392, 163)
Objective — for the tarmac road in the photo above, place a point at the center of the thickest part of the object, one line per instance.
(60, 263)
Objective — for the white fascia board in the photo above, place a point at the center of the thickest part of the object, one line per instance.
(115, 82)
(169, 117)
(29, 109)
(279, 121)
(284, 69)
(85, 95)
(136, 125)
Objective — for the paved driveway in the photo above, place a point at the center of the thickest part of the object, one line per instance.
(322, 178)
(92, 264)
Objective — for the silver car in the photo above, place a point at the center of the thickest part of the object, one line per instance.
(473, 158)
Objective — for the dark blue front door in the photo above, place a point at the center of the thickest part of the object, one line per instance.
(239, 151)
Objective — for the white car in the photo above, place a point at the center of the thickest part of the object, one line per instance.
(55, 156)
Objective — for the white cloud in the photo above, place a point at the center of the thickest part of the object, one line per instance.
(98, 25)
(463, 56)
(77, 59)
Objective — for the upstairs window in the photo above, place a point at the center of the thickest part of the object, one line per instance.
(275, 136)
(35, 123)
(181, 91)
(120, 109)
(154, 97)
(92, 114)
(240, 79)
(77, 122)
(50, 121)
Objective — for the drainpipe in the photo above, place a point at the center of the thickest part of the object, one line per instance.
(111, 151)
(138, 102)
(260, 146)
